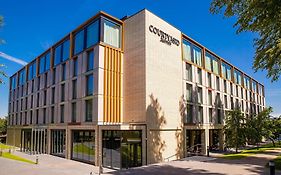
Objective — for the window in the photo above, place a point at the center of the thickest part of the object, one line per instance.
(62, 113)
(200, 96)
(246, 82)
(44, 115)
(31, 101)
(231, 88)
(225, 101)
(200, 114)
(38, 99)
(14, 82)
(219, 119)
(63, 74)
(210, 115)
(44, 63)
(225, 86)
(32, 70)
(54, 76)
(26, 102)
(89, 85)
(46, 80)
(254, 86)
(62, 52)
(25, 118)
(92, 34)
(192, 53)
(237, 94)
(199, 76)
(90, 60)
(38, 83)
(62, 92)
(237, 77)
(73, 112)
(53, 95)
(189, 92)
(89, 110)
(188, 72)
(75, 67)
(74, 89)
(212, 63)
(189, 110)
(209, 98)
(79, 42)
(22, 77)
(45, 97)
(37, 116)
(52, 114)
(209, 80)
(218, 83)
(31, 118)
(20, 119)
(226, 70)
(111, 33)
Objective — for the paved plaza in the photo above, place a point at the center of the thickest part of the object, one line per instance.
(51, 165)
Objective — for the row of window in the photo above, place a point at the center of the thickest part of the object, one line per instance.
(22, 117)
(193, 53)
(101, 29)
(190, 77)
(20, 90)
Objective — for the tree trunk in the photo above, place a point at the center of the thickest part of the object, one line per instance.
(273, 143)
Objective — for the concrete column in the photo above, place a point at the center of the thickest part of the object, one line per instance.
(205, 143)
(68, 143)
(48, 141)
(31, 142)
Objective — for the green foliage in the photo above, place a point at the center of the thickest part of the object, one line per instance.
(235, 129)
(3, 125)
(3, 146)
(264, 18)
(259, 126)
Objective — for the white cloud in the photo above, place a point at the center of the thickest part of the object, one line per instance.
(13, 59)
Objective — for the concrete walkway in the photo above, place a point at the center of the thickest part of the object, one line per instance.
(52, 165)
(48, 165)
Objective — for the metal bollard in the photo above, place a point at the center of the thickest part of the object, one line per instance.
(271, 164)
(208, 151)
(37, 160)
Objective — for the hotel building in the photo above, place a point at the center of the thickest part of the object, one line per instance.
(126, 92)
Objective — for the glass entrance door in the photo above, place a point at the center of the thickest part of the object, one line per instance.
(131, 154)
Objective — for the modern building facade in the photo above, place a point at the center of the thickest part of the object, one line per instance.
(126, 92)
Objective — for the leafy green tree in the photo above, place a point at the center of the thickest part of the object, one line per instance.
(264, 18)
(3, 126)
(260, 126)
(234, 129)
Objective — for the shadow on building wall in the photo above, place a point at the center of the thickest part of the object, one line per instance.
(156, 117)
(180, 131)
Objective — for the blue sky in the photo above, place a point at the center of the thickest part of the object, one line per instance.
(32, 26)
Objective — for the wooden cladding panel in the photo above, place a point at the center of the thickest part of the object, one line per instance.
(112, 85)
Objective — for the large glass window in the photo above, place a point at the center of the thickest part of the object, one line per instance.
(200, 114)
(62, 52)
(79, 42)
(32, 70)
(92, 34)
(89, 110)
(192, 52)
(74, 89)
(189, 111)
(209, 98)
(246, 82)
(199, 76)
(75, 67)
(89, 85)
(44, 63)
(226, 71)
(111, 33)
(62, 113)
(212, 63)
(83, 146)
(62, 92)
(63, 74)
(22, 77)
(58, 142)
(237, 77)
(14, 82)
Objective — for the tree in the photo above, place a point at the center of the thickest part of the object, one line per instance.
(234, 129)
(3, 126)
(260, 126)
(264, 18)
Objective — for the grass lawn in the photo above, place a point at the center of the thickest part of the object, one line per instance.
(251, 151)
(2, 146)
(14, 157)
(83, 149)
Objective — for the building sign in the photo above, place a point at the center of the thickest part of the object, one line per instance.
(164, 37)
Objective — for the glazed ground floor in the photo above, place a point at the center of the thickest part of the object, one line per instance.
(115, 146)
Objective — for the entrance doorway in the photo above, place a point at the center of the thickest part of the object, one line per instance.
(26, 140)
(122, 149)
(194, 141)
